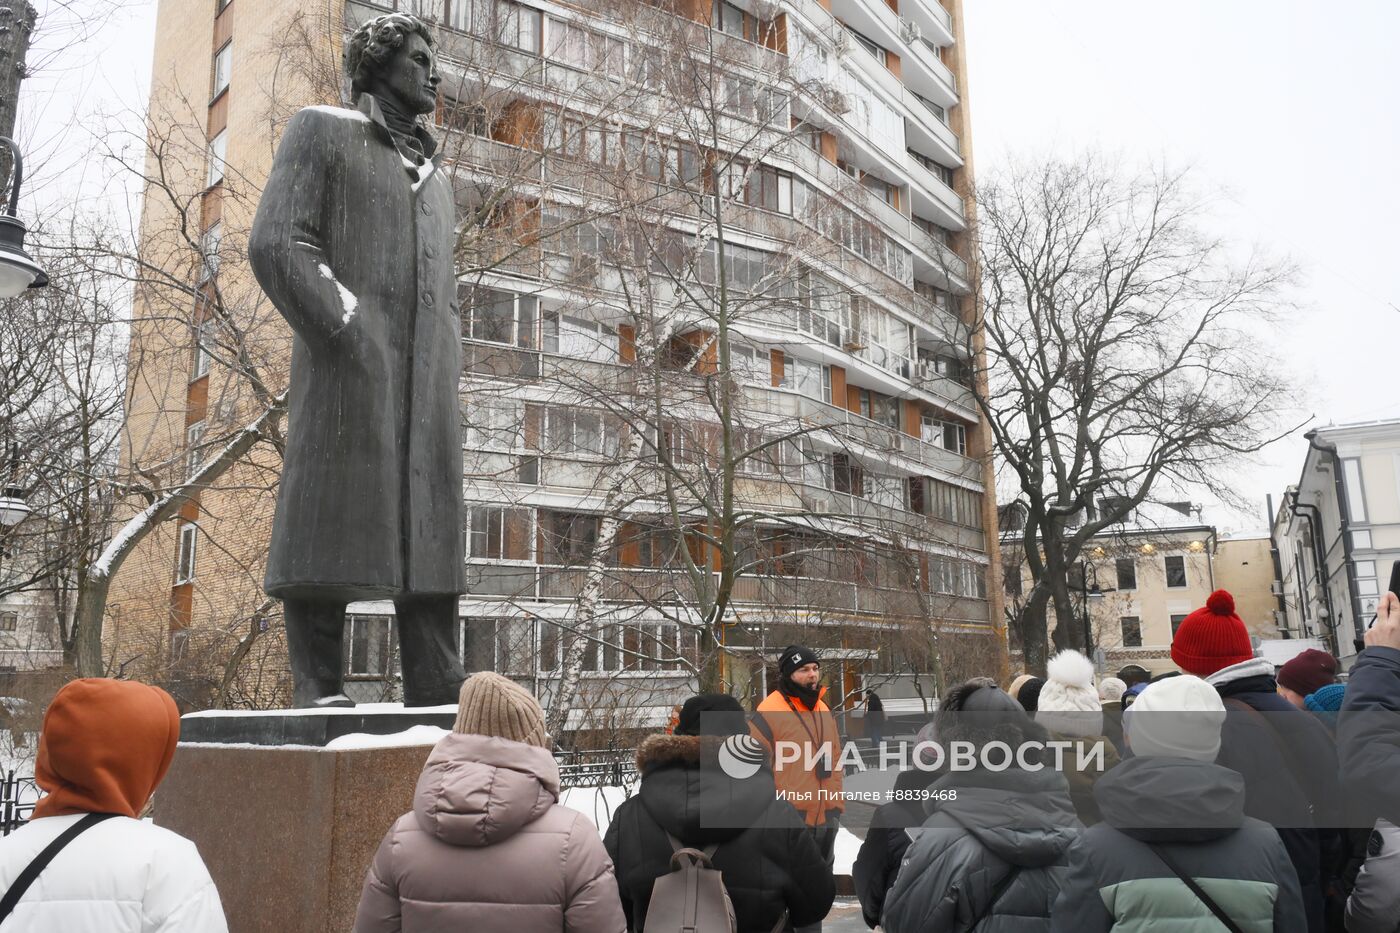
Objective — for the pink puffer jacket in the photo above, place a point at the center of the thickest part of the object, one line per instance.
(487, 848)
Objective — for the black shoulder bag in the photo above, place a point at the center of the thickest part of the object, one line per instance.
(1197, 890)
(41, 861)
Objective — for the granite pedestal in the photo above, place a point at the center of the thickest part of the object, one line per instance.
(289, 830)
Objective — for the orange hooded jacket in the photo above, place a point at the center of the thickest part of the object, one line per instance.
(105, 746)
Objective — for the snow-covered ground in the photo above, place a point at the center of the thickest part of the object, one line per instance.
(597, 804)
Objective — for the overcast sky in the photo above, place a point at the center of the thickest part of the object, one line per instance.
(1288, 108)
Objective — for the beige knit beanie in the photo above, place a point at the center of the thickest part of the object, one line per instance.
(497, 706)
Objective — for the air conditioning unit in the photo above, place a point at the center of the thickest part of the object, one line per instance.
(909, 31)
(1276, 588)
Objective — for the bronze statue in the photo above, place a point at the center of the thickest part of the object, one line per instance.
(353, 243)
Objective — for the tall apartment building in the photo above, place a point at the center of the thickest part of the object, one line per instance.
(716, 296)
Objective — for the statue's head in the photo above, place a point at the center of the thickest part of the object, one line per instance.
(391, 56)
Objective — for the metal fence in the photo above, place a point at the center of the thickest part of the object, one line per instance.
(611, 767)
(18, 794)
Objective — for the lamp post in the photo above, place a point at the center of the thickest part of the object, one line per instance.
(1091, 595)
(17, 270)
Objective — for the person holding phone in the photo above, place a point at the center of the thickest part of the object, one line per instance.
(1368, 729)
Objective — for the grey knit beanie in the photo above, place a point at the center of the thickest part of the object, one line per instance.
(497, 706)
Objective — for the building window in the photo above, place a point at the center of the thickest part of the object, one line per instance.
(1361, 539)
(585, 49)
(184, 563)
(218, 155)
(567, 537)
(806, 378)
(847, 475)
(1177, 619)
(1132, 631)
(203, 341)
(956, 505)
(497, 533)
(9, 621)
(223, 64)
(1176, 570)
(580, 432)
(209, 242)
(869, 45)
(369, 646)
(498, 316)
(1127, 573)
(504, 21)
(579, 338)
(1356, 495)
(1366, 582)
(194, 456)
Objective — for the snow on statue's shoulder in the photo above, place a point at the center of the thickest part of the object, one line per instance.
(340, 113)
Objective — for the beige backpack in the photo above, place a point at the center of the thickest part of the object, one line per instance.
(692, 898)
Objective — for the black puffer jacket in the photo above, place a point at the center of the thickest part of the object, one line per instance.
(1288, 762)
(886, 840)
(769, 859)
(1194, 813)
(967, 849)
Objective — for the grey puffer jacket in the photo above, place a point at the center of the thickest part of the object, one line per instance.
(487, 848)
(959, 866)
(1193, 812)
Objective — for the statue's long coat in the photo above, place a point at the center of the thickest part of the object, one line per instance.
(355, 250)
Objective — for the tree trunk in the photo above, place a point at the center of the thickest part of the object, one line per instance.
(84, 654)
(16, 26)
(576, 641)
(1034, 647)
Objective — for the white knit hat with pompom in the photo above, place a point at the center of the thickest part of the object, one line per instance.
(1069, 703)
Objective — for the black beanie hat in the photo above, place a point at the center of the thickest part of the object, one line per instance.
(723, 716)
(1029, 694)
(795, 656)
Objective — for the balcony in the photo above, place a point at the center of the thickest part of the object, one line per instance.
(542, 583)
(936, 127)
(787, 406)
(883, 213)
(948, 198)
(932, 17)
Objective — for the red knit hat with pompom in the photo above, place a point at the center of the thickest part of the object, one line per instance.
(1211, 638)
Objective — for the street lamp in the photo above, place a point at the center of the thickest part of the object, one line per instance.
(17, 270)
(1092, 595)
(13, 508)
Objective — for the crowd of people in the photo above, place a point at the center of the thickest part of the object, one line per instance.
(1221, 795)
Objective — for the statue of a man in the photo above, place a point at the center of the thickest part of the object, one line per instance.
(353, 243)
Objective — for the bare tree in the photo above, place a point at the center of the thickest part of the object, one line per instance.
(1123, 354)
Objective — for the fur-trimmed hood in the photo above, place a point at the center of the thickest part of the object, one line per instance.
(685, 790)
(660, 751)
